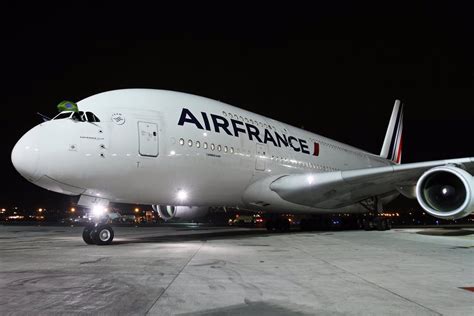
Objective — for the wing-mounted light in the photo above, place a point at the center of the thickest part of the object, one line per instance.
(446, 192)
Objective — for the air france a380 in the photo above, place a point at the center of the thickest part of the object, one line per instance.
(183, 154)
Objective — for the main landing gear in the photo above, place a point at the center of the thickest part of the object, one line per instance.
(376, 223)
(98, 234)
(375, 219)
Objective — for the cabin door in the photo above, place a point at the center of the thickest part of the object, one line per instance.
(260, 157)
(147, 139)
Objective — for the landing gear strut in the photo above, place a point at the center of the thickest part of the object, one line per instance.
(375, 222)
(98, 234)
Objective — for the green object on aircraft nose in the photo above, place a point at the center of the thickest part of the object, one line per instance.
(67, 106)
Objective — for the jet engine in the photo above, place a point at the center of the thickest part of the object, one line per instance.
(446, 192)
(169, 212)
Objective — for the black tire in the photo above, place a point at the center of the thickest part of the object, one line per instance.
(382, 224)
(366, 225)
(389, 224)
(86, 235)
(102, 235)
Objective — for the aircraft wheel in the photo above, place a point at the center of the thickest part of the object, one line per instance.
(86, 235)
(382, 224)
(102, 235)
(366, 224)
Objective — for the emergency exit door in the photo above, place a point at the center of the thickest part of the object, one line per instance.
(260, 157)
(148, 139)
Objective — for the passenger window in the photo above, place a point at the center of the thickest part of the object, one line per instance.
(204, 145)
(181, 141)
(231, 150)
(190, 143)
(226, 149)
(198, 144)
(219, 147)
(213, 147)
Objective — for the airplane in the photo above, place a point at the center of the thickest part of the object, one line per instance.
(183, 153)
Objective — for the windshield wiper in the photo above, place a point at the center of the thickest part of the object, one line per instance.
(44, 117)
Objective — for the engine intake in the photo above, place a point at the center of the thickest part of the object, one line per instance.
(446, 192)
(169, 212)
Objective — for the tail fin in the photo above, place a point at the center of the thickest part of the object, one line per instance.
(392, 145)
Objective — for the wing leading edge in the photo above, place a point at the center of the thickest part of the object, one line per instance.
(343, 188)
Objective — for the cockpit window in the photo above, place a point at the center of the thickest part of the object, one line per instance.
(91, 117)
(78, 116)
(62, 115)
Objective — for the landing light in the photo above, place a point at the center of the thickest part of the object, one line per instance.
(98, 210)
(182, 195)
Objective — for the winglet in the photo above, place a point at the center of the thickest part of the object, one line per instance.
(392, 145)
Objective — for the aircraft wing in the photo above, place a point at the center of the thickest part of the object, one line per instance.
(342, 188)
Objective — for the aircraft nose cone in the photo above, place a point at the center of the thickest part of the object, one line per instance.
(25, 155)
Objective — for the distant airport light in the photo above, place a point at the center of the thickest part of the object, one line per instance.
(137, 210)
(182, 195)
(98, 211)
(3, 210)
(40, 210)
(73, 209)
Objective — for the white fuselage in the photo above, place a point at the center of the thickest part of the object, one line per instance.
(122, 160)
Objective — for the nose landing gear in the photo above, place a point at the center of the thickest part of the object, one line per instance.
(98, 234)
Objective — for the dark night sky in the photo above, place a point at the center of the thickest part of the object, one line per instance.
(334, 69)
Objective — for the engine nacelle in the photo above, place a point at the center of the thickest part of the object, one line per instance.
(169, 212)
(446, 192)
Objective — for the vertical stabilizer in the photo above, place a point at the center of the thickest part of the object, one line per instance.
(392, 145)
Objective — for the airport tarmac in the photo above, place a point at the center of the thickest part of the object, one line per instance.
(236, 271)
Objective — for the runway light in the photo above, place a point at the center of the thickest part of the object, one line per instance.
(73, 209)
(98, 211)
(40, 210)
(137, 210)
(182, 195)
